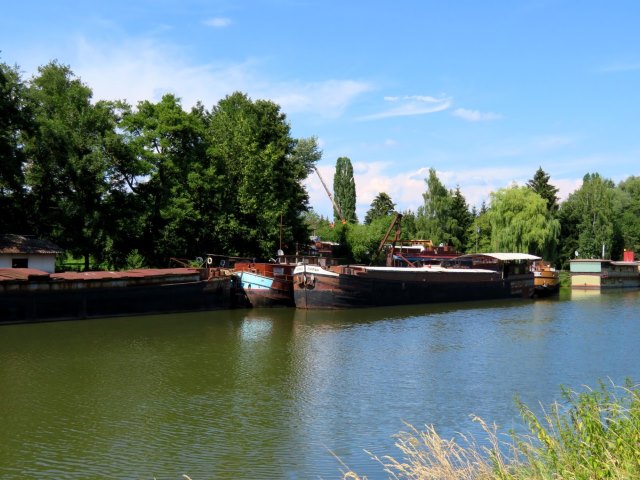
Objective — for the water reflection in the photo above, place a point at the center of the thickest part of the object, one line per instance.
(267, 393)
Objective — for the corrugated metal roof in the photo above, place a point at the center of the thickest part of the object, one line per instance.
(138, 273)
(21, 274)
(503, 256)
(17, 244)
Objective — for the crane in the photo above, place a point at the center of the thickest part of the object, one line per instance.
(335, 205)
(396, 222)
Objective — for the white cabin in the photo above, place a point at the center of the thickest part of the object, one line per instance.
(22, 251)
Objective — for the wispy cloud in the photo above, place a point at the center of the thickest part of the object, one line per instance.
(620, 67)
(218, 22)
(144, 69)
(475, 115)
(328, 98)
(411, 105)
(552, 142)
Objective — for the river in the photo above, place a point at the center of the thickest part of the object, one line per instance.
(281, 393)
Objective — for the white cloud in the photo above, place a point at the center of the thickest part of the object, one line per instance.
(411, 105)
(138, 70)
(328, 98)
(552, 142)
(620, 67)
(406, 187)
(475, 115)
(218, 22)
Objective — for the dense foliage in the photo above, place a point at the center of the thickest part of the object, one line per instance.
(344, 190)
(127, 185)
(382, 206)
(107, 181)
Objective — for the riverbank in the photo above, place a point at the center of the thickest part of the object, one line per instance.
(594, 434)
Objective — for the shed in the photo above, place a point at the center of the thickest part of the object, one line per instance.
(24, 251)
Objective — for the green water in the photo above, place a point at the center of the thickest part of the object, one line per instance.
(272, 393)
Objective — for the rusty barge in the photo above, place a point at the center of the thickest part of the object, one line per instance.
(468, 277)
(30, 295)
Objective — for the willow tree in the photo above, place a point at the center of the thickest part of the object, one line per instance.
(521, 222)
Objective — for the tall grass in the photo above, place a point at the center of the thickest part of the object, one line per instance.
(590, 435)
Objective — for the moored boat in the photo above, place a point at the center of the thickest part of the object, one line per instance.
(467, 277)
(602, 274)
(29, 295)
(266, 284)
(420, 252)
(270, 284)
(546, 279)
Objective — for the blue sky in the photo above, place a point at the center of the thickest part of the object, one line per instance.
(484, 92)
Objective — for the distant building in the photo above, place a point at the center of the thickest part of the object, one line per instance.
(22, 251)
(596, 274)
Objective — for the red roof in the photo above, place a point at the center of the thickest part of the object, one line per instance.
(12, 244)
(22, 274)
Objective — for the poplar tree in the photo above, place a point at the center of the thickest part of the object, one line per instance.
(344, 190)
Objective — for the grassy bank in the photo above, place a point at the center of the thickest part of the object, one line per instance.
(594, 434)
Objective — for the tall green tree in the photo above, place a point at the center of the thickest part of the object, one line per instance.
(67, 161)
(168, 167)
(479, 231)
(408, 224)
(344, 190)
(15, 121)
(444, 216)
(589, 219)
(521, 222)
(630, 216)
(381, 206)
(263, 167)
(433, 214)
(461, 220)
(540, 184)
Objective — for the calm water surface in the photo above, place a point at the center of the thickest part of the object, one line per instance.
(275, 393)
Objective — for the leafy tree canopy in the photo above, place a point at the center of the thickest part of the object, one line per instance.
(521, 222)
(540, 184)
(344, 190)
(381, 206)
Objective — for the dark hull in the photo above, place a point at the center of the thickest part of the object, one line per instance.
(350, 291)
(30, 304)
(269, 298)
(546, 290)
(263, 285)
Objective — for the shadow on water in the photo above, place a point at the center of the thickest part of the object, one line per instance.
(347, 318)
